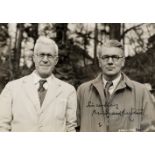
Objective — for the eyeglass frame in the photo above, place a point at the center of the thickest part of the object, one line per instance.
(115, 58)
(49, 56)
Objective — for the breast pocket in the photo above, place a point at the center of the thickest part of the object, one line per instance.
(61, 109)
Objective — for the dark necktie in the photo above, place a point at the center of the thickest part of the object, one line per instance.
(106, 90)
(41, 91)
(107, 97)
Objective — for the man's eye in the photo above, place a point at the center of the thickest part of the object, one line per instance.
(42, 55)
(105, 57)
(49, 56)
(115, 57)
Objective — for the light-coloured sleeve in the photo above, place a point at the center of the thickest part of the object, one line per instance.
(5, 109)
(148, 117)
(71, 120)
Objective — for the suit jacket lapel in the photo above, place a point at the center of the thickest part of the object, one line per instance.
(31, 92)
(54, 90)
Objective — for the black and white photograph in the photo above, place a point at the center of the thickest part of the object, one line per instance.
(77, 77)
(84, 77)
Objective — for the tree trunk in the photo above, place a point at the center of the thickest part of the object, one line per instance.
(115, 31)
(35, 31)
(61, 34)
(17, 51)
(95, 43)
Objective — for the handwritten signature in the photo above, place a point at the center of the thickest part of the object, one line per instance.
(133, 112)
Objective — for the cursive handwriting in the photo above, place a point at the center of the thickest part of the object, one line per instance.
(121, 113)
(92, 105)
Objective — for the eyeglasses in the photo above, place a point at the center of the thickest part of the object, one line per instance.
(115, 58)
(49, 56)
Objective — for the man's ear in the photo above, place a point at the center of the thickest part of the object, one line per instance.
(99, 62)
(123, 62)
(56, 60)
(33, 58)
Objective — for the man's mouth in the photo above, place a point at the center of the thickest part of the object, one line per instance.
(110, 68)
(44, 66)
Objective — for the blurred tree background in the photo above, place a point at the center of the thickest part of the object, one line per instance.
(78, 45)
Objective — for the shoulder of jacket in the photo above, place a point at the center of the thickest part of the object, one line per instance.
(139, 87)
(64, 84)
(138, 84)
(17, 81)
(85, 85)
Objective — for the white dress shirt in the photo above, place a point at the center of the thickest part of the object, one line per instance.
(37, 78)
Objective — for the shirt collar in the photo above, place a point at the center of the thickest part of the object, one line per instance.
(124, 82)
(37, 78)
(115, 81)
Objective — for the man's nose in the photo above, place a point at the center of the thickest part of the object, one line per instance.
(110, 60)
(45, 58)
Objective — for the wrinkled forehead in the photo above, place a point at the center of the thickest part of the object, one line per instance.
(111, 51)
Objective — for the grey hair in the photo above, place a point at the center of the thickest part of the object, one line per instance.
(109, 44)
(46, 41)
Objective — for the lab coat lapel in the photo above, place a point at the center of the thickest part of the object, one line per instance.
(31, 92)
(54, 90)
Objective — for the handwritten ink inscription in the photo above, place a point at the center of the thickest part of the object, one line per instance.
(131, 114)
(117, 112)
